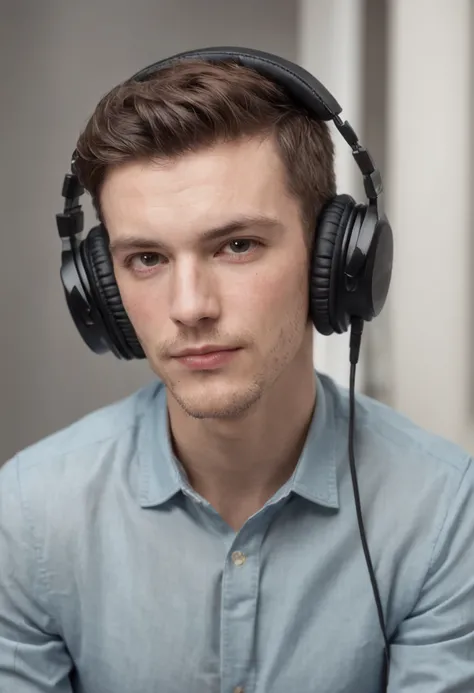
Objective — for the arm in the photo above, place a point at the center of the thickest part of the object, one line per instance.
(433, 650)
(33, 658)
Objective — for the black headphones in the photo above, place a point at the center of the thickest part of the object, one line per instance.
(353, 245)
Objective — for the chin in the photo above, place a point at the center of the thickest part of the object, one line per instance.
(215, 400)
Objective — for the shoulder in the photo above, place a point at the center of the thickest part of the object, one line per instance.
(392, 438)
(54, 493)
(410, 476)
(415, 488)
(53, 470)
(100, 427)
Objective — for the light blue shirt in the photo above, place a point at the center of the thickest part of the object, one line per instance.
(116, 577)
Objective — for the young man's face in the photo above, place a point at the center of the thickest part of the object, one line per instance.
(244, 290)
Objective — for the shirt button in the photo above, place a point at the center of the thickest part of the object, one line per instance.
(238, 558)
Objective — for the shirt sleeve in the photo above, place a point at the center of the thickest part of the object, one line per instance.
(433, 650)
(33, 658)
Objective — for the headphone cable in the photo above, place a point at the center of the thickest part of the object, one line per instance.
(357, 325)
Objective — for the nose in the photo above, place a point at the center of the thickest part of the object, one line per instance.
(193, 293)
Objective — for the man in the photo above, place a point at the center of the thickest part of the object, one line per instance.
(202, 535)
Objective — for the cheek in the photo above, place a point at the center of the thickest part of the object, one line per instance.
(143, 303)
(272, 297)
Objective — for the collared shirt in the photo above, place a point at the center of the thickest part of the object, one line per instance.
(117, 577)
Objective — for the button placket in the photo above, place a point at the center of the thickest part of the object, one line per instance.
(240, 587)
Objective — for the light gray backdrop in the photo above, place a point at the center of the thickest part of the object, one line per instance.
(58, 58)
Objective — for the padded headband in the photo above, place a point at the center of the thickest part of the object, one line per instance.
(305, 89)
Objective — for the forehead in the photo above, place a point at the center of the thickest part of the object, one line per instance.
(197, 190)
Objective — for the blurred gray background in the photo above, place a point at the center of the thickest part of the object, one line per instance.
(396, 67)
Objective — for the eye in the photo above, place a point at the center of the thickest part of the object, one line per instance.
(241, 246)
(143, 261)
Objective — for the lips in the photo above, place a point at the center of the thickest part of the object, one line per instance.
(205, 359)
(202, 351)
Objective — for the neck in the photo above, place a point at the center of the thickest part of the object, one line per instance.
(238, 465)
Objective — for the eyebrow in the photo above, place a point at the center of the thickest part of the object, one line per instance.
(241, 223)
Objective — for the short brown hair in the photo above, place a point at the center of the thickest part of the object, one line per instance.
(194, 104)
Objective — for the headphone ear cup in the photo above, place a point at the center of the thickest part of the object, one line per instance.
(327, 264)
(99, 265)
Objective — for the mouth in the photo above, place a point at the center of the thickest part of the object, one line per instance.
(206, 358)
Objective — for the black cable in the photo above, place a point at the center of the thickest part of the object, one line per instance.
(355, 339)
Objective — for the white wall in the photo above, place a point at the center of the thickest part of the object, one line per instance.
(430, 186)
(417, 105)
(58, 59)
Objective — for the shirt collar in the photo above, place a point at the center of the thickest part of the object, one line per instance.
(315, 475)
(159, 476)
(314, 478)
